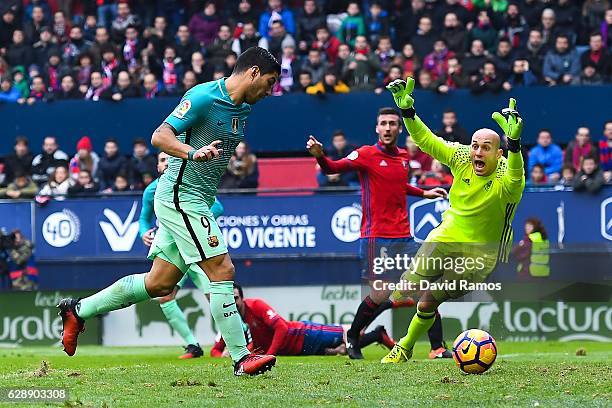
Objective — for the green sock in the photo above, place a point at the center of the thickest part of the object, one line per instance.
(227, 318)
(123, 293)
(421, 323)
(178, 321)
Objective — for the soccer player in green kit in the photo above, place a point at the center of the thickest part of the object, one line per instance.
(201, 135)
(168, 304)
(486, 189)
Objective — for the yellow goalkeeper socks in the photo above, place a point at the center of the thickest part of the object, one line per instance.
(421, 323)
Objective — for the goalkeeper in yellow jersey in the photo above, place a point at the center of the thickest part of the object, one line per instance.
(475, 232)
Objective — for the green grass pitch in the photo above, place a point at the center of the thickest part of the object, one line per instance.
(547, 374)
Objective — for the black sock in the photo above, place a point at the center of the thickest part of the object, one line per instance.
(363, 317)
(436, 338)
(369, 338)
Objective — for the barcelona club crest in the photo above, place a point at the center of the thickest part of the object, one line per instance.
(235, 123)
(213, 241)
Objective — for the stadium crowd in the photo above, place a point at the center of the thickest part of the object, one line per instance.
(116, 49)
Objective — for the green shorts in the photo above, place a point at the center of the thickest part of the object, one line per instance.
(186, 235)
(456, 265)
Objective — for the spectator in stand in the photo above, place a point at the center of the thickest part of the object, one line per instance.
(407, 21)
(561, 65)
(142, 163)
(535, 52)
(344, 52)
(20, 83)
(504, 58)
(568, 19)
(279, 38)
(594, 13)
(419, 160)
(21, 187)
(361, 66)
(304, 81)
(377, 22)
(172, 70)
(75, 46)
(33, 27)
(520, 76)
(204, 26)
(309, 20)
(68, 89)
(515, 27)
(395, 72)
(327, 43)
(124, 88)
(44, 47)
(101, 41)
(110, 65)
(475, 59)
(532, 10)
(44, 164)
(122, 21)
(340, 149)
(454, 7)
(386, 54)
(189, 81)
(82, 72)
(487, 80)
(61, 27)
(276, 12)
(107, 10)
(425, 82)
(248, 38)
(20, 161)
(436, 63)
(314, 65)
(8, 25)
(484, 31)
(606, 28)
(547, 26)
(547, 154)
(242, 170)
(453, 78)
(89, 27)
(122, 184)
(58, 184)
(8, 93)
(245, 13)
(221, 46)
(151, 88)
(38, 92)
(289, 68)
(589, 76)
(185, 45)
(97, 90)
(537, 176)
(202, 69)
(424, 38)
(84, 159)
(579, 148)
(411, 62)
(453, 33)
(159, 35)
(598, 56)
(451, 130)
(19, 52)
(590, 178)
(352, 26)
(568, 174)
(53, 71)
(84, 184)
(605, 151)
(532, 252)
(111, 164)
(437, 176)
(132, 47)
(329, 84)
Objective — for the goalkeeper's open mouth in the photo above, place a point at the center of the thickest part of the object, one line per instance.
(479, 165)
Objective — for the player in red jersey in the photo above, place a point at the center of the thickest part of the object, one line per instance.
(385, 231)
(267, 330)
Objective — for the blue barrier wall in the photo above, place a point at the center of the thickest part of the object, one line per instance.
(88, 243)
(283, 123)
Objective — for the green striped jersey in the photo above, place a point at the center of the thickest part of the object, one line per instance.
(206, 113)
(481, 208)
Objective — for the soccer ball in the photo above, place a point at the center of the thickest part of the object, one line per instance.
(474, 351)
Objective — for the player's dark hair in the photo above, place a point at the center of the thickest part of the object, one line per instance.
(22, 139)
(239, 288)
(606, 122)
(537, 226)
(257, 56)
(547, 130)
(595, 34)
(139, 140)
(449, 110)
(563, 36)
(388, 111)
(111, 140)
(338, 132)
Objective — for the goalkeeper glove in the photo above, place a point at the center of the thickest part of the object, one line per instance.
(510, 121)
(401, 91)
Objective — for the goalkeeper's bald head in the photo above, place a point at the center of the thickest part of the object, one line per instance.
(485, 151)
